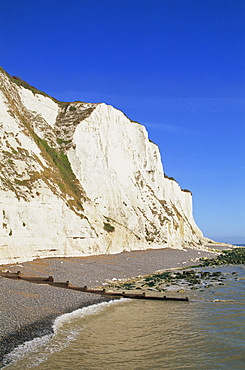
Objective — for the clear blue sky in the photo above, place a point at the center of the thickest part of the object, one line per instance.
(176, 66)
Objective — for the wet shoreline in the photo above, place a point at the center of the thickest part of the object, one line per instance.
(28, 310)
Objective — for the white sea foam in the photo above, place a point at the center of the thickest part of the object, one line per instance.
(24, 349)
(39, 349)
(82, 312)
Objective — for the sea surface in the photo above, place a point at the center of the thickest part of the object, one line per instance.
(208, 332)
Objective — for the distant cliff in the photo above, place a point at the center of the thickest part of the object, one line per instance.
(79, 179)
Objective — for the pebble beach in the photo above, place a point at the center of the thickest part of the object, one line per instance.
(28, 310)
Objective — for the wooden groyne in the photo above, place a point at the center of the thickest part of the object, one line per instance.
(66, 285)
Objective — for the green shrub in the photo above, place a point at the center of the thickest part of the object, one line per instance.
(108, 227)
(61, 141)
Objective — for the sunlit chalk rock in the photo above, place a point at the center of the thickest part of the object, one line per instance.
(82, 179)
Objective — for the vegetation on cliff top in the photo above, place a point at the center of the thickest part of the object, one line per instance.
(18, 81)
(57, 173)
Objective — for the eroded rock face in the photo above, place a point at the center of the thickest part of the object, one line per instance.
(79, 179)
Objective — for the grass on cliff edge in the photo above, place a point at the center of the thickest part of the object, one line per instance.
(61, 162)
(60, 172)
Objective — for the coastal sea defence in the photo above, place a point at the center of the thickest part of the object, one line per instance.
(28, 310)
(82, 179)
(209, 332)
(102, 292)
(215, 292)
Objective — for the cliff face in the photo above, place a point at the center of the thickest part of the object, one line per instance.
(79, 179)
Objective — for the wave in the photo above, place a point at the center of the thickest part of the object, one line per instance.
(39, 349)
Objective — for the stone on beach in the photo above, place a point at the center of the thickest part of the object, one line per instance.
(28, 310)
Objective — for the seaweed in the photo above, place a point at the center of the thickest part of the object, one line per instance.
(235, 256)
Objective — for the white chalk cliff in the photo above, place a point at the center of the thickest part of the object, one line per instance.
(79, 179)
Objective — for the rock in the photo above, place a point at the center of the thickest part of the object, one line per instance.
(82, 179)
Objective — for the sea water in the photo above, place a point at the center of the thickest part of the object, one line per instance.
(208, 332)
